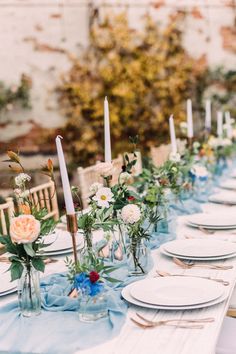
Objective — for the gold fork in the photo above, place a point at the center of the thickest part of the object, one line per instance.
(206, 231)
(166, 274)
(144, 326)
(192, 264)
(188, 320)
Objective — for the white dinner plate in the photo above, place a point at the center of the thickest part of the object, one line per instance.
(127, 296)
(233, 174)
(176, 291)
(200, 248)
(60, 241)
(216, 219)
(58, 253)
(228, 184)
(163, 251)
(223, 198)
(6, 286)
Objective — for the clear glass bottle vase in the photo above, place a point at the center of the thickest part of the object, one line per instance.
(29, 295)
(92, 308)
(137, 258)
(87, 254)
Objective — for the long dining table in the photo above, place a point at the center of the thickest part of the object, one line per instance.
(167, 339)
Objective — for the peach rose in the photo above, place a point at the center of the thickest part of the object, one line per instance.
(24, 229)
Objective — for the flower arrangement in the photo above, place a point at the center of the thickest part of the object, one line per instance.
(137, 220)
(200, 172)
(89, 277)
(106, 202)
(25, 240)
(90, 280)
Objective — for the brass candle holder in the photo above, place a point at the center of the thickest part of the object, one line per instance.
(72, 227)
(190, 143)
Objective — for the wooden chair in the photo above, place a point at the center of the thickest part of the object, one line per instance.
(181, 145)
(6, 213)
(44, 196)
(137, 169)
(117, 163)
(160, 155)
(86, 177)
(89, 175)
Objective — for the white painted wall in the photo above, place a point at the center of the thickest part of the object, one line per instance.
(21, 21)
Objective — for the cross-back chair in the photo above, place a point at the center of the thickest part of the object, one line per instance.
(6, 213)
(89, 175)
(160, 154)
(44, 196)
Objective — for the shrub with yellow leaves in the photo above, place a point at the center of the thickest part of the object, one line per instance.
(146, 76)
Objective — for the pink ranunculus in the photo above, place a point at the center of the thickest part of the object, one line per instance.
(24, 229)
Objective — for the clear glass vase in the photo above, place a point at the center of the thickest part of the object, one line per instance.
(162, 225)
(29, 295)
(137, 258)
(92, 308)
(87, 254)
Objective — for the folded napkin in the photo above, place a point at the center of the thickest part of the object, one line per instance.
(58, 329)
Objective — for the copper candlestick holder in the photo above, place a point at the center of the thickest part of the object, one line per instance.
(72, 227)
(190, 143)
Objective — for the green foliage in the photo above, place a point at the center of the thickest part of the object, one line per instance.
(30, 253)
(146, 76)
(9, 96)
(95, 264)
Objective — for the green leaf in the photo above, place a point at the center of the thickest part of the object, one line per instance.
(38, 264)
(14, 258)
(82, 221)
(16, 269)
(112, 280)
(3, 240)
(29, 250)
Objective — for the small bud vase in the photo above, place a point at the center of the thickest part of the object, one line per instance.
(29, 295)
(137, 258)
(92, 307)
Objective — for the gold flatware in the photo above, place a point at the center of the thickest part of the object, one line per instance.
(206, 231)
(189, 320)
(191, 264)
(146, 325)
(166, 274)
(50, 260)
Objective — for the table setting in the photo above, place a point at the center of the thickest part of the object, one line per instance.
(148, 265)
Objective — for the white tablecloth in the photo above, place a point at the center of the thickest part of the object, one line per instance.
(168, 340)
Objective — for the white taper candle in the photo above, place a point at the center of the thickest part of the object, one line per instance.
(208, 115)
(107, 136)
(219, 124)
(189, 119)
(172, 135)
(229, 130)
(70, 209)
